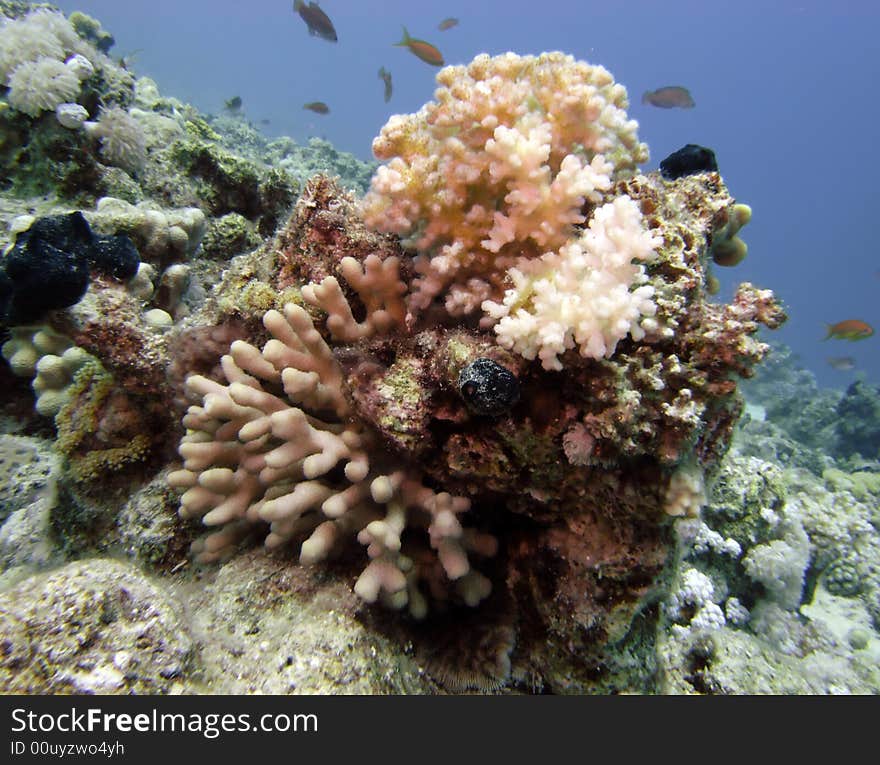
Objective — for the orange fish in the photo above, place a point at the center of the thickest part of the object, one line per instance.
(447, 24)
(424, 50)
(319, 107)
(669, 97)
(851, 329)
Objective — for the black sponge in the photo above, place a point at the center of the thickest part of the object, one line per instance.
(49, 266)
(688, 160)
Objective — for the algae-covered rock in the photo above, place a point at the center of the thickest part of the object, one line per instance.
(96, 626)
(29, 477)
(229, 235)
(268, 627)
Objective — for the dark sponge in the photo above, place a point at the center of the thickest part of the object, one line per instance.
(688, 160)
(42, 278)
(487, 387)
(114, 255)
(49, 266)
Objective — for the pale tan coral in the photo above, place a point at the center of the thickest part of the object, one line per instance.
(380, 288)
(277, 444)
(686, 493)
(161, 236)
(50, 358)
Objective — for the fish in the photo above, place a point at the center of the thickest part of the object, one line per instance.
(233, 104)
(842, 363)
(424, 50)
(317, 21)
(127, 60)
(318, 107)
(447, 24)
(850, 329)
(385, 76)
(669, 97)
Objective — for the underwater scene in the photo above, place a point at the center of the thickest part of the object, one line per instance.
(439, 348)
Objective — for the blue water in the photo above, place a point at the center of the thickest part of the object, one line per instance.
(785, 94)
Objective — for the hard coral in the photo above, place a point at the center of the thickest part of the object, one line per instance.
(356, 418)
(496, 171)
(583, 294)
(277, 444)
(392, 383)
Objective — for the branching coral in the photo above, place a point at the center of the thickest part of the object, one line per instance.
(496, 171)
(277, 444)
(583, 294)
(373, 423)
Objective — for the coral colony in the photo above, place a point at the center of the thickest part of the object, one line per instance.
(539, 345)
(485, 387)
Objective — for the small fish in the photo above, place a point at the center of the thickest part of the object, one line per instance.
(126, 61)
(233, 104)
(424, 50)
(385, 76)
(851, 329)
(669, 97)
(842, 363)
(265, 121)
(447, 24)
(318, 107)
(317, 21)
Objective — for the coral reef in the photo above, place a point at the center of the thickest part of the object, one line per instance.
(366, 385)
(785, 566)
(496, 396)
(830, 423)
(858, 421)
(356, 418)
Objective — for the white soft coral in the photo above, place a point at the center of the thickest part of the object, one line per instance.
(590, 294)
